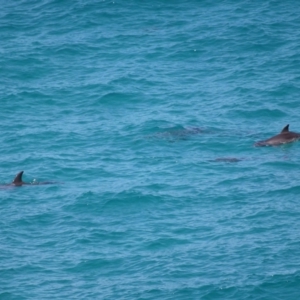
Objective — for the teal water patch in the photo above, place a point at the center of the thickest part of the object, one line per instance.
(145, 115)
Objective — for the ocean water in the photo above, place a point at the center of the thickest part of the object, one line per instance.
(145, 115)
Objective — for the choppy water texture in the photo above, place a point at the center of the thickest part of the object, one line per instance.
(147, 112)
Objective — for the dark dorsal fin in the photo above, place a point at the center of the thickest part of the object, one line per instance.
(285, 129)
(18, 178)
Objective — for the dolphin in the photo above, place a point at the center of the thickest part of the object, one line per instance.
(19, 182)
(284, 137)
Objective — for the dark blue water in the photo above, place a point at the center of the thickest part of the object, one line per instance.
(145, 114)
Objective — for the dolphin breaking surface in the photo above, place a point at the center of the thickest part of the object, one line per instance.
(284, 137)
(18, 181)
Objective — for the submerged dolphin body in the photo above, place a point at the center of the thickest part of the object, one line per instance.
(177, 133)
(284, 137)
(226, 159)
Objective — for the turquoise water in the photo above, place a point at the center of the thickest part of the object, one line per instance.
(131, 107)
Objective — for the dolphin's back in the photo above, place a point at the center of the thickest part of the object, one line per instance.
(285, 136)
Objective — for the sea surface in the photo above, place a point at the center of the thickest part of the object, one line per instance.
(144, 114)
